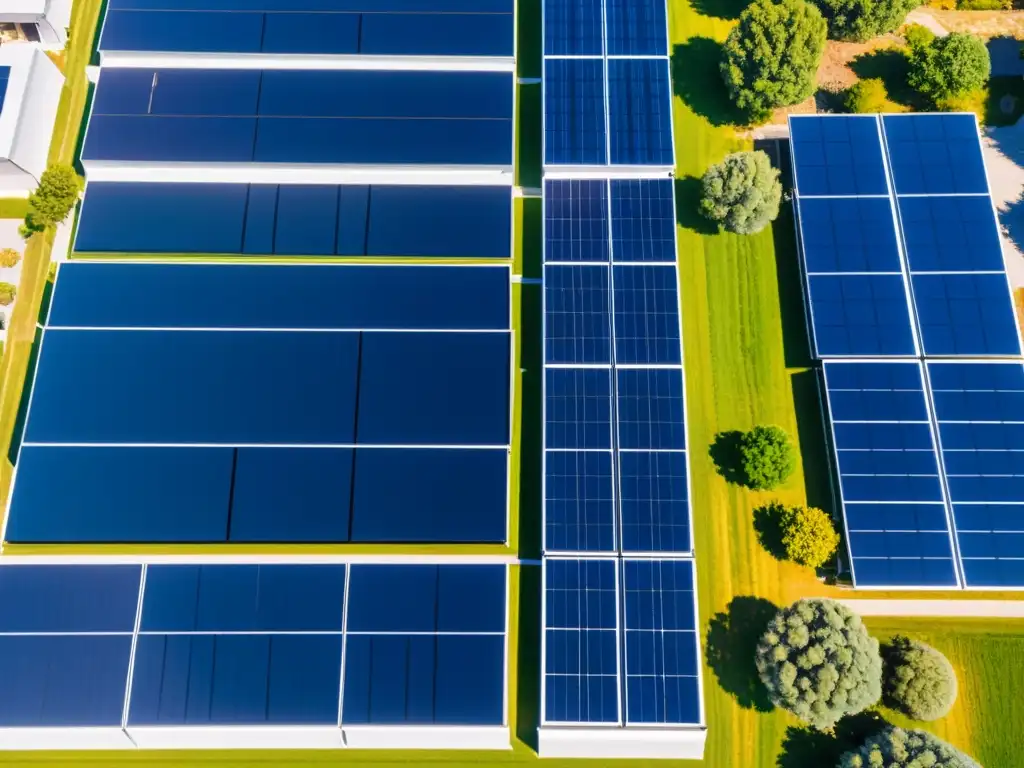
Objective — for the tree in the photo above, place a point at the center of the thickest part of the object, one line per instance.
(818, 661)
(919, 680)
(768, 457)
(860, 20)
(7, 293)
(808, 535)
(896, 748)
(918, 36)
(9, 257)
(868, 97)
(771, 57)
(949, 66)
(53, 200)
(742, 193)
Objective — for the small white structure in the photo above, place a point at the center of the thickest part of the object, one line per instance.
(36, 21)
(28, 111)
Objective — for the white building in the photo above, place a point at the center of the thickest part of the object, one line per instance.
(38, 21)
(28, 111)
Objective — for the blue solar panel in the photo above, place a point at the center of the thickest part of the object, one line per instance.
(986, 518)
(640, 112)
(581, 657)
(935, 154)
(837, 156)
(387, 297)
(575, 220)
(579, 504)
(848, 235)
(967, 314)
(573, 28)
(643, 220)
(577, 309)
(650, 409)
(60, 599)
(574, 112)
(636, 28)
(994, 573)
(950, 234)
(578, 408)
(860, 315)
(662, 651)
(889, 475)
(5, 76)
(654, 501)
(646, 300)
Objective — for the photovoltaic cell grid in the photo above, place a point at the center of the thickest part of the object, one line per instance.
(889, 475)
(602, 106)
(655, 678)
(211, 646)
(5, 75)
(979, 408)
(392, 28)
(316, 404)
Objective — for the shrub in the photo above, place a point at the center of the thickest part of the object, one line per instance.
(809, 536)
(7, 293)
(771, 57)
(50, 204)
(768, 458)
(918, 36)
(860, 20)
(919, 681)
(9, 257)
(949, 66)
(896, 748)
(742, 193)
(818, 661)
(985, 5)
(868, 96)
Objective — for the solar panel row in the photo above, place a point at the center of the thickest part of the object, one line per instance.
(607, 93)
(123, 649)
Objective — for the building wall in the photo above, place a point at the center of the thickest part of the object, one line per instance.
(29, 115)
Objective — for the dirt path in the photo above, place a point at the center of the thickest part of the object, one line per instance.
(1006, 609)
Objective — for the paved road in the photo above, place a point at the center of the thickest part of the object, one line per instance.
(1007, 609)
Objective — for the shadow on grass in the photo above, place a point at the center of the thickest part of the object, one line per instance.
(809, 748)
(697, 80)
(891, 66)
(720, 9)
(814, 453)
(795, 341)
(528, 46)
(528, 674)
(80, 139)
(18, 433)
(731, 644)
(533, 233)
(768, 525)
(1004, 104)
(725, 453)
(529, 137)
(688, 215)
(530, 439)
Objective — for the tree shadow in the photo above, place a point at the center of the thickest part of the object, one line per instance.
(688, 215)
(731, 645)
(725, 453)
(810, 748)
(768, 525)
(720, 9)
(892, 67)
(697, 80)
(819, 481)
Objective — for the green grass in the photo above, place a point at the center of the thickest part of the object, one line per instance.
(13, 208)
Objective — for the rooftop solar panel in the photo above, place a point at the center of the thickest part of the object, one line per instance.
(860, 315)
(636, 28)
(655, 502)
(950, 234)
(643, 220)
(966, 314)
(573, 28)
(848, 235)
(5, 75)
(578, 408)
(646, 318)
(574, 112)
(579, 493)
(640, 112)
(838, 156)
(577, 314)
(575, 220)
(935, 154)
(650, 409)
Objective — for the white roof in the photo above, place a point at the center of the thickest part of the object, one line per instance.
(37, 7)
(19, 59)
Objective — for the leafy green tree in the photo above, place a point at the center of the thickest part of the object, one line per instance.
(918, 680)
(868, 97)
(949, 66)
(742, 193)
(918, 36)
(7, 293)
(860, 20)
(53, 200)
(768, 457)
(809, 536)
(896, 748)
(818, 661)
(771, 57)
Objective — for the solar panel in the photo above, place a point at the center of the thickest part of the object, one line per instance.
(643, 220)
(650, 409)
(575, 220)
(5, 76)
(574, 112)
(579, 494)
(573, 28)
(646, 300)
(889, 475)
(950, 234)
(979, 408)
(578, 404)
(655, 502)
(935, 154)
(848, 235)
(639, 112)
(636, 28)
(837, 155)
(577, 314)
(855, 315)
(966, 314)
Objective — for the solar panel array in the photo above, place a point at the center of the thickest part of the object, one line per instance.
(903, 261)
(607, 90)
(189, 656)
(5, 76)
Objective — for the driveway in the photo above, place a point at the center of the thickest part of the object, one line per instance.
(1004, 157)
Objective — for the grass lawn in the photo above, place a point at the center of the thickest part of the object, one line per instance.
(13, 208)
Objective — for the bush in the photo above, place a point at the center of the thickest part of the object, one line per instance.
(985, 5)
(919, 681)
(7, 293)
(767, 456)
(742, 193)
(860, 20)
(53, 200)
(809, 536)
(896, 748)
(771, 57)
(949, 66)
(918, 36)
(868, 96)
(818, 661)
(9, 257)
